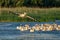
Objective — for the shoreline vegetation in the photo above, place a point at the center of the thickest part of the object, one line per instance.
(40, 10)
(30, 3)
(40, 14)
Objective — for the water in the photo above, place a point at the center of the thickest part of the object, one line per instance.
(8, 31)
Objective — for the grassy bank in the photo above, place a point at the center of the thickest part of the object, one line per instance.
(40, 14)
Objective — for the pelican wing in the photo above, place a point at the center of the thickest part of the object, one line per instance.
(31, 18)
(14, 13)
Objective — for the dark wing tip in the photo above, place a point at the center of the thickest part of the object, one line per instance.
(13, 13)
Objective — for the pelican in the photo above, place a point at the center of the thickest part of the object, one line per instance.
(58, 27)
(22, 15)
(37, 27)
(25, 15)
(44, 28)
(50, 28)
(31, 30)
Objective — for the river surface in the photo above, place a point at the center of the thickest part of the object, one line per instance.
(8, 31)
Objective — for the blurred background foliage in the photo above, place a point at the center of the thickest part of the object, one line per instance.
(30, 3)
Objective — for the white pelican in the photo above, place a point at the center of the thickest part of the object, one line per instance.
(50, 28)
(22, 15)
(25, 15)
(58, 27)
(31, 30)
(44, 28)
(37, 27)
(20, 28)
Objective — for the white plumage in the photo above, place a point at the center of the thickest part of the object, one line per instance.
(22, 15)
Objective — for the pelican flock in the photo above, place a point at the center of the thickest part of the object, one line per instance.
(37, 27)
